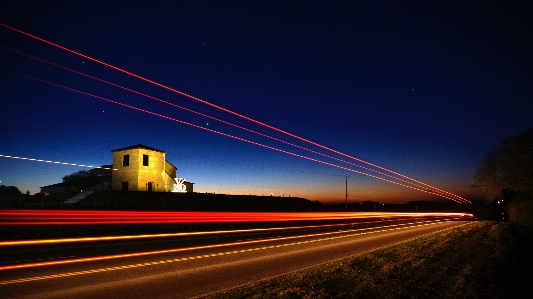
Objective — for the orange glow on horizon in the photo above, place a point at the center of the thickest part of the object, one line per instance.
(416, 187)
(416, 184)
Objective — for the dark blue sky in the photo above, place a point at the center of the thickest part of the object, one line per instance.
(424, 89)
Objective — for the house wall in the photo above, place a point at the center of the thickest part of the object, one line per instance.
(139, 176)
(169, 175)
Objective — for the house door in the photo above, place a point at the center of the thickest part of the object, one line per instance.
(124, 186)
(150, 186)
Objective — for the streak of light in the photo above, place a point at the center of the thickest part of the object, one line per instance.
(171, 260)
(243, 139)
(437, 191)
(458, 199)
(55, 162)
(83, 217)
(205, 115)
(175, 250)
(169, 235)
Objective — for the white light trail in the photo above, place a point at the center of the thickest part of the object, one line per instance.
(55, 162)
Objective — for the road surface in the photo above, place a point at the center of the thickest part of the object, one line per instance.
(192, 267)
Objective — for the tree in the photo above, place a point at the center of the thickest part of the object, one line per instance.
(510, 166)
(9, 190)
(520, 210)
(509, 170)
(82, 179)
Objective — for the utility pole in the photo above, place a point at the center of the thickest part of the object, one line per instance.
(346, 177)
(346, 191)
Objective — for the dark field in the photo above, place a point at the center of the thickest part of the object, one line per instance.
(479, 260)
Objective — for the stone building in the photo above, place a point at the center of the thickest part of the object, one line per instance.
(142, 168)
(134, 168)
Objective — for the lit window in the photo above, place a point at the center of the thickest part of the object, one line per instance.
(126, 160)
(145, 160)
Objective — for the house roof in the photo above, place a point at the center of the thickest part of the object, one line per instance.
(138, 146)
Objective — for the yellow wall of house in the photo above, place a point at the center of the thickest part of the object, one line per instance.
(137, 175)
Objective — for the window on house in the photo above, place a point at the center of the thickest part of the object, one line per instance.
(126, 160)
(145, 160)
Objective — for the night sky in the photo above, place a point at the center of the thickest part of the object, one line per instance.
(424, 89)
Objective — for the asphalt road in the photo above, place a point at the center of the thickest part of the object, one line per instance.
(191, 267)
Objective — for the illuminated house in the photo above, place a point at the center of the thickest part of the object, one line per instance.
(142, 168)
(135, 168)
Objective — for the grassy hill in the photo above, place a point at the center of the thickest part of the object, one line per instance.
(168, 201)
(480, 260)
(197, 202)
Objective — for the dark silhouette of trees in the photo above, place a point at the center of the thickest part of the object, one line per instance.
(369, 205)
(9, 190)
(520, 209)
(509, 169)
(509, 166)
(82, 179)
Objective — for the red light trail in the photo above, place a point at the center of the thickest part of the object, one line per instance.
(433, 190)
(335, 234)
(77, 217)
(243, 139)
(182, 234)
(437, 191)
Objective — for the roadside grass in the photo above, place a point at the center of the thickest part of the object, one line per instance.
(478, 260)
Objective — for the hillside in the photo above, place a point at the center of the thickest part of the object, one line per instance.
(119, 200)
